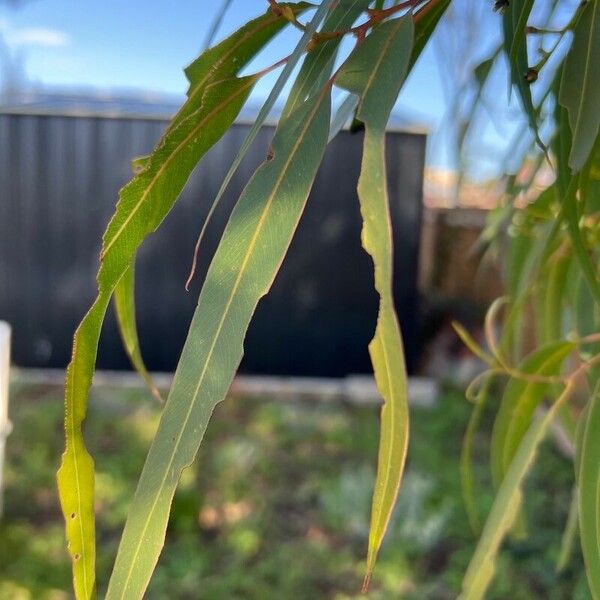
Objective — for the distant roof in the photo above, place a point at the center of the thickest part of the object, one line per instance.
(144, 105)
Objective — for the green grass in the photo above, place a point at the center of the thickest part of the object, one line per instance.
(277, 504)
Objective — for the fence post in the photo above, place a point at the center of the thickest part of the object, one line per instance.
(5, 424)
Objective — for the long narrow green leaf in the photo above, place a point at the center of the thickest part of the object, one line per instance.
(520, 399)
(216, 98)
(505, 507)
(522, 10)
(216, 24)
(124, 300)
(144, 203)
(579, 90)
(589, 493)
(466, 456)
(571, 214)
(220, 62)
(375, 71)
(511, 21)
(551, 296)
(243, 268)
(569, 534)
(562, 141)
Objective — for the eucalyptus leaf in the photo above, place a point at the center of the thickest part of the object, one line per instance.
(375, 72)
(124, 300)
(505, 508)
(588, 453)
(249, 255)
(215, 99)
(519, 401)
(519, 63)
(579, 90)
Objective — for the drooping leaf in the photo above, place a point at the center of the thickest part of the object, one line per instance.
(483, 69)
(579, 90)
(520, 9)
(562, 141)
(519, 401)
(569, 534)
(570, 210)
(242, 270)
(375, 72)
(466, 456)
(143, 204)
(588, 454)
(124, 299)
(519, 66)
(505, 508)
(551, 296)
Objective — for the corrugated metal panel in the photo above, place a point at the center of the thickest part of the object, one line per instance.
(59, 179)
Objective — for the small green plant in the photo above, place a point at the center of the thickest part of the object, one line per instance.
(552, 262)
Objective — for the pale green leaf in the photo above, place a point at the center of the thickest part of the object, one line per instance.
(569, 534)
(579, 90)
(589, 492)
(242, 270)
(375, 72)
(143, 204)
(124, 301)
(519, 401)
(551, 297)
(505, 508)
(570, 210)
(466, 455)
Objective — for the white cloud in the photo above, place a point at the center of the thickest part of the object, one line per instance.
(36, 36)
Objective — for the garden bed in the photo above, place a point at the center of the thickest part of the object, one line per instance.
(276, 504)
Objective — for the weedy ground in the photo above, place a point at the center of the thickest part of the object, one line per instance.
(277, 503)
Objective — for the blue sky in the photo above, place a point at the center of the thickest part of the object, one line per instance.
(143, 45)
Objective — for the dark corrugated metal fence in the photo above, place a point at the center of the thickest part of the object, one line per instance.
(59, 178)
